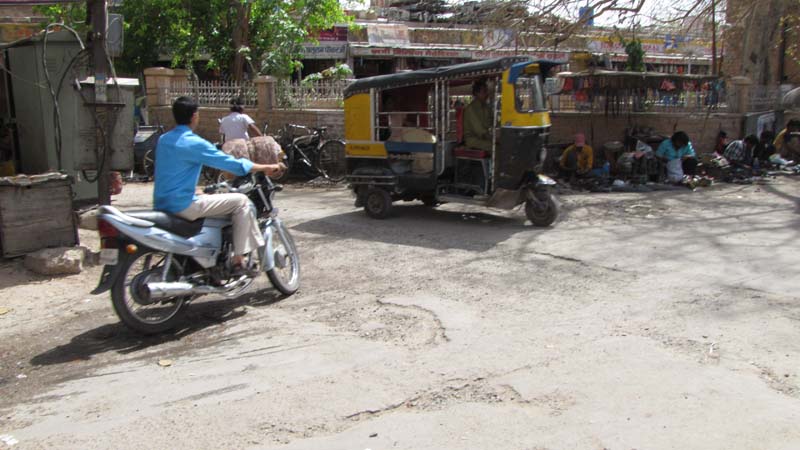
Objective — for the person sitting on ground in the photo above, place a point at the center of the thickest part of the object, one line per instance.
(793, 126)
(180, 156)
(678, 154)
(722, 143)
(478, 118)
(739, 153)
(237, 124)
(765, 148)
(577, 159)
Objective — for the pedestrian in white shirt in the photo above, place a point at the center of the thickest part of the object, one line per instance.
(237, 124)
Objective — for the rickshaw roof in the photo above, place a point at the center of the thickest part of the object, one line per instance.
(423, 76)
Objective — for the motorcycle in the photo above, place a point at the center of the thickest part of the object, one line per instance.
(155, 263)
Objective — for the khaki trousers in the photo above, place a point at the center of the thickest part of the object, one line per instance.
(246, 235)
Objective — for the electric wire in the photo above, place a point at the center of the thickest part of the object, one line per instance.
(56, 106)
(110, 118)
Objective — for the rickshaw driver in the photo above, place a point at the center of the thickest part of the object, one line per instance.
(478, 118)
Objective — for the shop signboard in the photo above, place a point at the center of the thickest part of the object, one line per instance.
(395, 52)
(10, 32)
(335, 34)
(388, 34)
(669, 44)
(37, 2)
(586, 13)
(325, 50)
(498, 39)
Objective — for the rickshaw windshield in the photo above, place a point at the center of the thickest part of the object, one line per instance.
(528, 94)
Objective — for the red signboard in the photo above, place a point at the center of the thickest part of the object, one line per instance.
(37, 2)
(338, 34)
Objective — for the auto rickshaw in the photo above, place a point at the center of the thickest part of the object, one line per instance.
(404, 139)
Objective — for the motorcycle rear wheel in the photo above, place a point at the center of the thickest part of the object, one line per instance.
(285, 276)
(128, 295)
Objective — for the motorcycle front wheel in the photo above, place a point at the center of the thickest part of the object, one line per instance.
(285, 276)
(130, 296)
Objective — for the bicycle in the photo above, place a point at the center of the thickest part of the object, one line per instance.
(310, 150)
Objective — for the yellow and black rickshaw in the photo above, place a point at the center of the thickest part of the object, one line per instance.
(404, 139)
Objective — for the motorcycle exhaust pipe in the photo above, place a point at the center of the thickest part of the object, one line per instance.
(160, 290)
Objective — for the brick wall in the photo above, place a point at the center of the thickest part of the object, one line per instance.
(331, 118)
(599, 129)
(209, 127)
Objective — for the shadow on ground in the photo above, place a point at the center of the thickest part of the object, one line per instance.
(116, 337)
(416, 225)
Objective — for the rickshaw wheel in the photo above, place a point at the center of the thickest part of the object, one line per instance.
(544, 213)
(377, 203)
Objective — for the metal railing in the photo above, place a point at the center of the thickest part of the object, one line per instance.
(216, 93)
(325, 94)
(648, 102)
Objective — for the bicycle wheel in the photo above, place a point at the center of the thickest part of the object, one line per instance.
(149, 164)
(331, 160)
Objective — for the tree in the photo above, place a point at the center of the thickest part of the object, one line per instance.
(635, 52)
(236, 36)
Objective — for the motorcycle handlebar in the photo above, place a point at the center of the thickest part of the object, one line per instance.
(238, 184)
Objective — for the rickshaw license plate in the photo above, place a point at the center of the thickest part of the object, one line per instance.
(109, 256)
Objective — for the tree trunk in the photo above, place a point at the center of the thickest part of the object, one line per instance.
(760, 34)
(240, 37)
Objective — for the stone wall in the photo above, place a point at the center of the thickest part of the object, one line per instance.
(598, 128)
(702, 129)
(208, 128)
(331, 118)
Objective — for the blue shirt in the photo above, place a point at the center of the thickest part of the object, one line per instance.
(180, 156)
(667, 150)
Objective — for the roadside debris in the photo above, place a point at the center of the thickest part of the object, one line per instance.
(88, 220)
(61, 260)
(8, 439)
(56, 261)
(4, 311)
(165, 362)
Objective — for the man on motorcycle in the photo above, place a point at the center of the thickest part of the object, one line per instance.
(180, 156)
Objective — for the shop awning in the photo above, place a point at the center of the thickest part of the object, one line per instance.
(479, 68)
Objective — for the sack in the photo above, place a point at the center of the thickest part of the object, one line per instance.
(236, 148)
(260, 149)
(265, 150)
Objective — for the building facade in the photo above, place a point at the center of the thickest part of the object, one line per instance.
(379, 46)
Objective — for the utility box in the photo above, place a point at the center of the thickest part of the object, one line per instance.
(69, 69)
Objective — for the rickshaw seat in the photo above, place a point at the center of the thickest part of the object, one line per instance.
(472, 153)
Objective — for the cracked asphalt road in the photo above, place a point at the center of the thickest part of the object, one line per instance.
(650, 321)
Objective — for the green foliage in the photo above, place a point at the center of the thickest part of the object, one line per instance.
(635, 52)
(189, 30)
(338, 72)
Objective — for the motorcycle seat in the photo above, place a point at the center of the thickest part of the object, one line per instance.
(169, 222)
